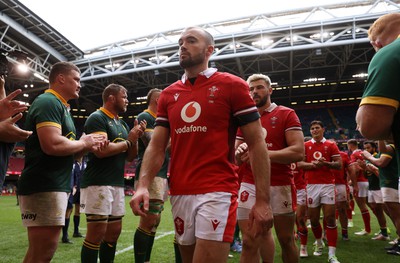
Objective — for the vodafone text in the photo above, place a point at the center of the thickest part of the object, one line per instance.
(191, 128)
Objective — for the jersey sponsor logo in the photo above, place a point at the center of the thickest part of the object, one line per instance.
(244, 196)
(191, 112)
(317, 155)
(293, 166)
(28, 216)
(179, 225)
(215, 223)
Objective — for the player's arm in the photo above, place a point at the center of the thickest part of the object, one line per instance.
(152, 161)
(368, 115)
(294, 152)
(382, 161)
(261, 214)
(335, 164)
(54, 143)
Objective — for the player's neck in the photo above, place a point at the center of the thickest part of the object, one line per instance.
(264, 107)
(194, 71)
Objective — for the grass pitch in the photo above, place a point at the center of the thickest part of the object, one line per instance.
(13, 241)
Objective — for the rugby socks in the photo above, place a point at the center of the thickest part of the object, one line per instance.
(367, 220)
(150, 247)
(107, 251)
(76, 223)
(65, 229)
(89, 252)
(331, 235)
(178, 258)
(384, 231)
(142, 242)
(317, 231)
(303, 233)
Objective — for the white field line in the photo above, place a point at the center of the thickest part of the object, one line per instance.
(157, 237)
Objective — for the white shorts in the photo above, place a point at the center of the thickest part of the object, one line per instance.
(280, 199)
(341, 192)
(43, 209)
(375, 196)
(302, 197)
(362, 189)
(103, 200)
(210, 216)
(318, 194)
(390, 195)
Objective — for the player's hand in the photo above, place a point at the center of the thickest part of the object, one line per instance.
(140, 202)
(260, 218)
(242, 153)
(137, 131)
(94, 142)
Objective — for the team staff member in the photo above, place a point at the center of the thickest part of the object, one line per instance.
(201, 113)
(49, 154)
(284, 137)
(102, 185)
(321, 155)
(146, 231)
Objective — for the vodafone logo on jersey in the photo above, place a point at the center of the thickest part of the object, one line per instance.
(191, 112)
(317, 155)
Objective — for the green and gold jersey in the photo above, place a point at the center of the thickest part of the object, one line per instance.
(150, 118)
(109, 170)
(383, 84)
(42, 172)
(388, 175)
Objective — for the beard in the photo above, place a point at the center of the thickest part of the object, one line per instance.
(190, 61)
(262, 101)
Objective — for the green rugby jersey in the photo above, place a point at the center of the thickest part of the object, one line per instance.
(42, 172)
(150, 118)
(109, 170)
(388, 175)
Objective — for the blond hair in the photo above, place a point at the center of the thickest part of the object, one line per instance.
(384, 27)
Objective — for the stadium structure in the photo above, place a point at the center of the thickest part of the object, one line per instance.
(317, 58)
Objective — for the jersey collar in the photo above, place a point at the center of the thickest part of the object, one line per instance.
(151, 113)
(207, 73)
(58, 96)
(108, 113)
(314, 141)
(271, 107)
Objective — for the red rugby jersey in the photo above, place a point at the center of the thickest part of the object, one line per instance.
(276, 120)
(203, 120)
(315, 150)
(357, 155)
(300, 180)
(341, 175)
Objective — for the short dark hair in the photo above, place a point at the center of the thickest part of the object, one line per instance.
(62, 67)
(150, 94)
(317, 122)
(112, 89)
(372, 143)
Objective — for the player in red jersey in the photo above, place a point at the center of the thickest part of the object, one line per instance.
(342, 194)
(201, 113)
(284, 138)
(321, 155)
(360, 185)
(300, 183)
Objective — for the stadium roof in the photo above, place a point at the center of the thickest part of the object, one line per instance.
(314, 55)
